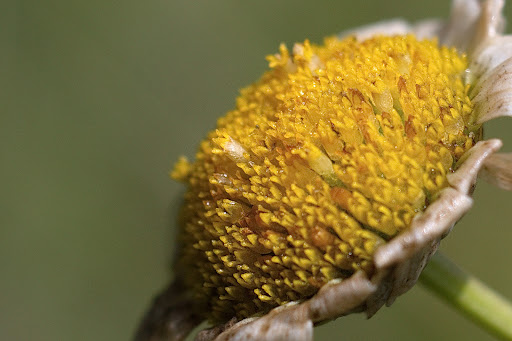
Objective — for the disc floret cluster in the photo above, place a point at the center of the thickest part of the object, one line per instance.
(329, 156)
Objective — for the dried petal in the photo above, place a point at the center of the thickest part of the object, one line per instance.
(498, 170)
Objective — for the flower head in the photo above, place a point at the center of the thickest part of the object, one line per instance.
(329, 186)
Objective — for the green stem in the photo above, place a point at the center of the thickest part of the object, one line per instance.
(469, 296)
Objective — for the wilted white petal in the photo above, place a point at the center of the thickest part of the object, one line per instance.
(406, 274)
(494, 93)
(490, 23)
(498, 170)
(489, 55)
(457, 32)
(471, 23)
(338, 298)
(387, 27)
(428, 28)
(288, 322)
(471, 163)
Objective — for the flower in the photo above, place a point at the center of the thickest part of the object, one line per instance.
(330, 185)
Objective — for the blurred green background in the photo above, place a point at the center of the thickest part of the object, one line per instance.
(99, 98)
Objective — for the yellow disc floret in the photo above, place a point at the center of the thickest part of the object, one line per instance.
(328, 156)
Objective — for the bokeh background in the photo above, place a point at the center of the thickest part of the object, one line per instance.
(100, 97)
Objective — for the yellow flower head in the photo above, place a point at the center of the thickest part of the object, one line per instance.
(328, 156)
(338, 172)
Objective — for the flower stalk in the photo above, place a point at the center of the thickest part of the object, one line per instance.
(469, 296)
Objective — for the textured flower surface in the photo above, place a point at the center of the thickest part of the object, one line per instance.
(329, 186)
